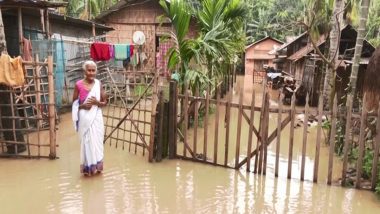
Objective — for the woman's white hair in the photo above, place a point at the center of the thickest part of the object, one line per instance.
(89, 62)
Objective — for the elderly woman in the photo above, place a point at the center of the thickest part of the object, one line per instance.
(88, 98)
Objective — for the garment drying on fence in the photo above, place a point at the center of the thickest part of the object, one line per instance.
(11, 71)
(27, 50)
(100, 51)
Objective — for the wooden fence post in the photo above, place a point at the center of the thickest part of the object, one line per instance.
(172, 119)
(227, 125)
(250, 134)
(305, 125)
(332, 140)
(279, 122)
(363, 121)
(291, 140)
(196, 122)
(216, 136)
(52, 133)
(238, 133)
(205, 123)
(318, 143)
(160, 133)
(265, 133)
(347, 138)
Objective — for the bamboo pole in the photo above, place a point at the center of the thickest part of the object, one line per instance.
(160, 129)
(14, 123)
(47, 24)
(186, 115)
(52, 154)
(172, 119)
(250, 134)
(138, 118)
(216, 136)
(153, 115)
(376, 153)
(279, 121)
(347, 139)
(20, 31)
(332, 141)
(363, 124)
(318, 142)
(207, 105)
(38, 98)
(305, 125)
(94, 31)
(42, 16)
(196, 115)
(227, 125)
(238, 134)
(265, 134)
(291, 140)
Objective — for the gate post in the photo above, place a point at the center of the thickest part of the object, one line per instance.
(52, 133)
(153, 118)
(173, 99)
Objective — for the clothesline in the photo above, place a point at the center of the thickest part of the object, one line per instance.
(104, 51)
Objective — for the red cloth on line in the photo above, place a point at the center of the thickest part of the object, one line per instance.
(131, 48)
(100, 51)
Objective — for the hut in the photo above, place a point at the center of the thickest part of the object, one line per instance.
(300, 60)
(127, 17)
(257, 54)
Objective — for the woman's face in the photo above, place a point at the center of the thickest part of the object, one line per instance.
(90, 72)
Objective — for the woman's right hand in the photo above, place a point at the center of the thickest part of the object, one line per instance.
(86, 106)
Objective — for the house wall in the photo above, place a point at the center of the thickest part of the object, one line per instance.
(141, 17)
(259, 52)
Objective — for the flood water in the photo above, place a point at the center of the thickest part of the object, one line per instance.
(129, 184)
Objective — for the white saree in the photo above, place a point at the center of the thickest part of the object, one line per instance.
(90, 127)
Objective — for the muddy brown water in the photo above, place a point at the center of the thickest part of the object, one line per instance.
(129, 184)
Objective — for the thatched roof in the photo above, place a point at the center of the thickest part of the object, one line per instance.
(372, 81)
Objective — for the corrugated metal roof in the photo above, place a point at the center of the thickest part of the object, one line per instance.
(306, 50)
(295, 39)
(31, 3)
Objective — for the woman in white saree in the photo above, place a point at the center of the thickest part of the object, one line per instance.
(88, 98)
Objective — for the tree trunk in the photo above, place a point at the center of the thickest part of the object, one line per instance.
(6, 109)
(329, 81)
(359, 46)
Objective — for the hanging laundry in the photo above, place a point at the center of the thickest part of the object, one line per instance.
(27, 50)
(112, 51)
(143, 58)
(128, 51)
(131, 49)
(121, 51)
(11, 71)
(100, 51)
(135, 59)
